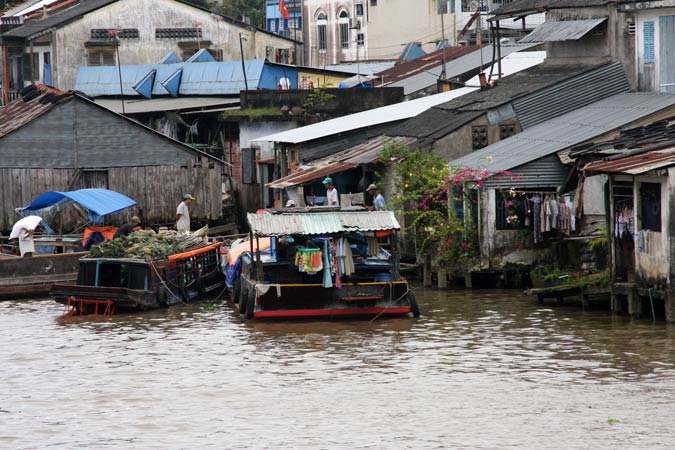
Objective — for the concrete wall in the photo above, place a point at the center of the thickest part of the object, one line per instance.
(69, 52)
(648, 76)
(653, 264)
(394, 23)
(459, 143)
(617, 44)
(345, 101)
(333, 53)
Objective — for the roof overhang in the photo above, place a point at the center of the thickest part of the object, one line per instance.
(318, 223)
(567, 30)
(634, 164)
(137, 106)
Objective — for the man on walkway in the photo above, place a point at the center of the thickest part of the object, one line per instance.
(332, 197)
(378, 200)
(183, 214)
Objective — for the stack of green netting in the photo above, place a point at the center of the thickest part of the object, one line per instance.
(147, 245)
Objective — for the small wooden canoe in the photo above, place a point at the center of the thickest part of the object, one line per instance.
(33, 277)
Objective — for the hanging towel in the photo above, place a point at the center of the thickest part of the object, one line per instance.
(349, 260)
(327, 280)
(338, 279)
(373, 247)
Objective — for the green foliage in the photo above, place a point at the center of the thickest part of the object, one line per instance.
(316, 100)
(612, 420)
(238, 9)
(600, 243)
(427, 194)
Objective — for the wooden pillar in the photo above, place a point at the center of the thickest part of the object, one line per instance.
(427, 270)
(634, 304)
(442, 278)
(669, 302)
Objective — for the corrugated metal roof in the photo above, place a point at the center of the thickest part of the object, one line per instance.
(38, 27)
(363, 119)
(364, 68)
(348, 159)
(635, 164)
(567, 130)
(571, 94)
(20, 112)
(469, 63)
(317, 223)
(544, 173)
(566, 30)
(522, 7)
(427, 62)
(538, 92)
(207, 78)
(137, 106)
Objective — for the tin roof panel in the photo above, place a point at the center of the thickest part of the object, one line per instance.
(316, 223)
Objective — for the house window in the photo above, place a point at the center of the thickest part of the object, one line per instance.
(360, 39)
(343, 22)
(178, 33)
(479, 137)
(506, 131)
(510, 210)
(31, 72)
(101, 57)
(359, 9)
(281, 24)
(648, 31)
(650, 199)
(321, 30)
(105, 33)
(373, 2)
(273, 25)
(248, 172)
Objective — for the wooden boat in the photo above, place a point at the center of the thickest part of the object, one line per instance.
(33, 277)
(268, 280)
(108, 286)
(56, 257)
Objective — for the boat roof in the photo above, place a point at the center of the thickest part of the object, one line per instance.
(320, 223)
(98, 202)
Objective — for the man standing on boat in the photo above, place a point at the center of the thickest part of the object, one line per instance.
(183, 214)
(128, 228)
(332, 197)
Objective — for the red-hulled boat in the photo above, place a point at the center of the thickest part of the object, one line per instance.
(319, 262)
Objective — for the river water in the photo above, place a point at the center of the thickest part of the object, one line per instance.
(479, 370)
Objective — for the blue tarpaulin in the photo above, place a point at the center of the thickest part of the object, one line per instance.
(99, 202)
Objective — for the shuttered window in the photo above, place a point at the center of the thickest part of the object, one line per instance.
(101, 57)
(648, 31)
(248, 165)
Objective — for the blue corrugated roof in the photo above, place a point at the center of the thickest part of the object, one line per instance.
(206, 78)
(99, 202)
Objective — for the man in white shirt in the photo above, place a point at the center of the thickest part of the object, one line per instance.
(332, 197)
(183, 214)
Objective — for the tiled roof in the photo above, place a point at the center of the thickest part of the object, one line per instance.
(635, 164)
(35, 101)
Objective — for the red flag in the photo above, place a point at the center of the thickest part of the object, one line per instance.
(284, 10)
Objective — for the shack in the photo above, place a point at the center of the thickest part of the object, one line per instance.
(54, 140)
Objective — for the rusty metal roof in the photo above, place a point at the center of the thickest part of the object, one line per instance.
(321, 223)
(635, 164)
(339, 162)
(33, 103)
(422, 64)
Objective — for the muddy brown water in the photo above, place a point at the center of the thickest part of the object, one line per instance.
(479, 370)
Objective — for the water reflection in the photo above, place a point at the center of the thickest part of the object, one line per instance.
(477, 370)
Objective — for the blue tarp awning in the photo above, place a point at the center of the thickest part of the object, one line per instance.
(99, 202)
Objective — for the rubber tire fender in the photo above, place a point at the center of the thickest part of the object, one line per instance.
(243, 297)
(236, 290)
(412, 301)
(250, 304)
(162, 296)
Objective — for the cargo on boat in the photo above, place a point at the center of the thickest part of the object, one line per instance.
(319, 262)
(56, 256)
(145, 278)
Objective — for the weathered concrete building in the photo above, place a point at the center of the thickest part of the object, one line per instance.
(78, 34)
